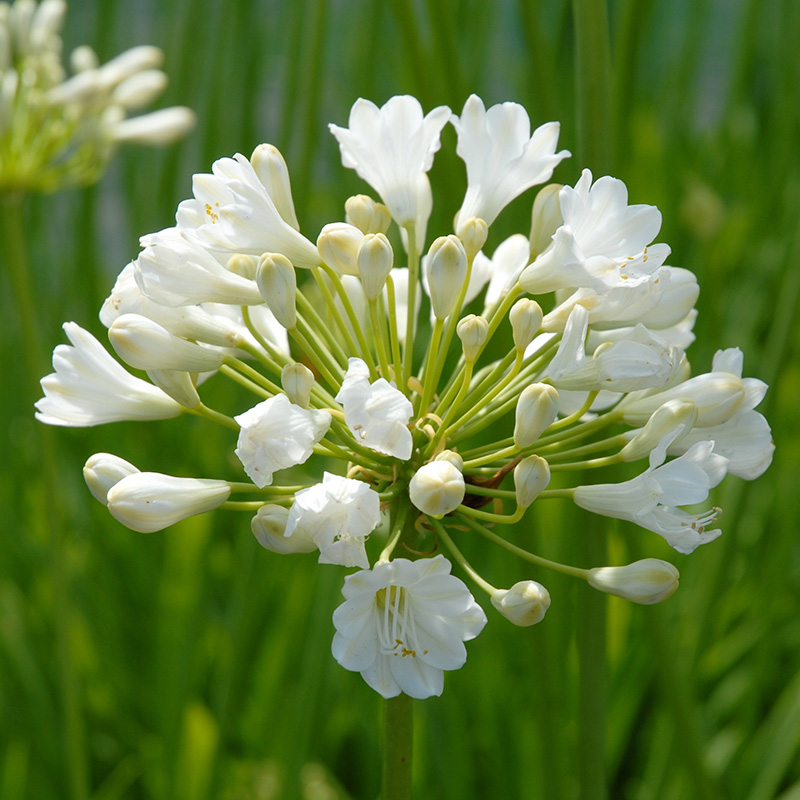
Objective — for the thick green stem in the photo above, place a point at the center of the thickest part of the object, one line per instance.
(17, 264)
(398, 738)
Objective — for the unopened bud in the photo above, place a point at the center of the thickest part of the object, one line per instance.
(537, 408)
(472, 331)
(104, 470)
(531, 477)
(473, 234)
(545, 218)
(338, 245)
(524, 604)
(526, 319)
(277, 283)
(367, 215)
(83, 58)
(375, 260)
(269, 528)
(447, 270)
(663, 420)
(273, 173)
(150, 501)
(298, 381)
(647, 581)
(177, 384)
(140, 89)
(156, 129)
(144, 344)
(437, 487)
(242, 264)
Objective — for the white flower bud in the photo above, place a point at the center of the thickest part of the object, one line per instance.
(134, 60)
(269, 527)
(104, 470)
(145, 344)
(452, 458)
(83, 58)
(663, 420)
(298, 381)
(150, 501)
(367, 215)
(243, 265)
(526, 319)
(473, 234)
(140, 90)
(158, 128)
(537, 408)
(273, 173)
(178, 385)
(447, 270)
(472, 331)
(524, 604)
(277, 283)
(545, 218)
(437, 487)
(375, 259)
(531, 477)
(648, 581)
(338, 245)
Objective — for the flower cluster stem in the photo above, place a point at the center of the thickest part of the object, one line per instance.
(398, 738)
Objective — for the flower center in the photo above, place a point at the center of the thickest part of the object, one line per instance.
(396, 629)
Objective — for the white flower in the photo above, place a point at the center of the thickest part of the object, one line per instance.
(392, 148)
(104, 470)
(524, 604)
(603, 242)
(377, 413)
(233, 211)
(173, 271)
(652, 498)
(89, 387)
(338, 515)
(403, 623)
(642, 361)
(277, 434)
(269, 528)
(745, 439)
(502, 158)
(150, 501)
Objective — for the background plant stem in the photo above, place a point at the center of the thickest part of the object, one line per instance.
(398, 737)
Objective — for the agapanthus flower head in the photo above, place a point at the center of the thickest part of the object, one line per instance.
(58, 131)
(376, 430)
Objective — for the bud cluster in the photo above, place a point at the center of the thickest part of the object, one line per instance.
(58, 131)
(421, 422)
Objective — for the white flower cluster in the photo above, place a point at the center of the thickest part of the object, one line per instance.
(417, 436)
(58, 131)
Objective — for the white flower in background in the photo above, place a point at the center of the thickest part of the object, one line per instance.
(377, 412)
(403, 623)
(392, 149)
(374, 422)
(502, 158)
(89, 387)
(58, 131)
(337, 515)
(278, 434)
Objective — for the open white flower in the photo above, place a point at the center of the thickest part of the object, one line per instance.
(652, 498)
(338, 515)
(403, 623)
(392, 148)
(89, 387)
(502, 158)
(377, 413)
(278, 434)
(642, 361)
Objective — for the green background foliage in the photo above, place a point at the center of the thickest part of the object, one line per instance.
(190, 664)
